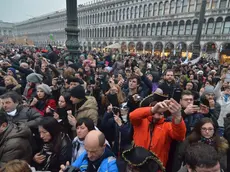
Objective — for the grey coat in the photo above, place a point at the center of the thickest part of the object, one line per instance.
(15, 143)
(30, 116)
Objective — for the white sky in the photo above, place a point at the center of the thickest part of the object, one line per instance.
(19, 10)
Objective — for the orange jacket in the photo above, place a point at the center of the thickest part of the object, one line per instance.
(162, 136)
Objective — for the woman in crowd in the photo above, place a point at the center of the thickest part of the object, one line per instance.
(43, 99)
(205, 131)
(11, 84)
(56, 148)
(16, 166)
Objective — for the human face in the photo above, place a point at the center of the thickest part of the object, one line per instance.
(189, 86)
(40, 93)
(61, 102)
(87, 68)
(133, 84)
(227, 91)
(43, 67)
(44, 134)
(94, 151)
(169, 76)
(8, 105)
(186, 100)
(207, 130)
(216, 168)
(74, 100)
(73, 84)
(191, 77)
(7, 81)
(9, 72)
(82, 131)
(150, 77)
(209, 96)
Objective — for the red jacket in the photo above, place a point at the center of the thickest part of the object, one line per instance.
(51, 103)
(163, 133)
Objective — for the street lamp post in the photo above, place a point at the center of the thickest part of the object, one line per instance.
(72, 30)
(196, 44)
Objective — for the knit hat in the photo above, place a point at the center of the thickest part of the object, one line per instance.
(45, 88)
(34, 78)
(78, 92)
(200, 72)
(12, 70)
(209, 89)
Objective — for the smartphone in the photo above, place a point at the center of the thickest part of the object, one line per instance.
(116, 110)
(177, 94)
(52, 110)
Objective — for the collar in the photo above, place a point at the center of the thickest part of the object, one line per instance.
(12, 113)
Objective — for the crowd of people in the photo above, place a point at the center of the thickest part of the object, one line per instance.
(112, 112)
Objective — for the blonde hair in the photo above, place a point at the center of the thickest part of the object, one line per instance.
(16, 166)
(12, 79)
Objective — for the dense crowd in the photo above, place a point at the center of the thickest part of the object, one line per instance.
(107, 111)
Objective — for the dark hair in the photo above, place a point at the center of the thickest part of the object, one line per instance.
(169, 70)
(88, 123)
(81, 74)
(101, 139)
(195, 136)
(69, 104)
(135, 77)
(13, 95)
(186, 93)
(201, 155)
(52, 126)
(3, 118)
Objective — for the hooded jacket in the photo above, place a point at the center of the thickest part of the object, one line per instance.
(15, 143)
(88, 109)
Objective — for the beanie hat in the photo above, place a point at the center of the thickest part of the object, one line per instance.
(78, 92)
(45, 88)
(34, 78)
(12, 70)
(209, 89)
(200, 72)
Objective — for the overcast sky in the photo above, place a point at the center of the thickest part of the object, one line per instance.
(19, 10)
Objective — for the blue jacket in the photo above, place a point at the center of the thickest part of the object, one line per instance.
(108, 165)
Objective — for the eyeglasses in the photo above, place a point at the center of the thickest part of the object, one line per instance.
(207, 129)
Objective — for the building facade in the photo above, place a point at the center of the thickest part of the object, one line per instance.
(142, 26)
(6, 31)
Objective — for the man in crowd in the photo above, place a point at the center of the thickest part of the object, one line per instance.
(14, 141)
(153, 133)
(201, 157)
(97, 156)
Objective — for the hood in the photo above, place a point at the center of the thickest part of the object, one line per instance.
(90, 103)
(18, 130)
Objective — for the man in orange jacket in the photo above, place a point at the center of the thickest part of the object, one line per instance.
(153, 133)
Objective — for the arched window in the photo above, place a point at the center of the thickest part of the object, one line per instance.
(120, 14)
(136, 12)
(210, 26)
(188, 27)
(113, 16)
(139, 30)
(148, 30)
(198, 5)
(140, 11)
(124, 14)
(145, 11)
(204, 27)
(178, 6)
(150, 10)
(158, 29)
(219, 22)
(130, 31)
(175, 28)
(172, 7)
(127, 31)
(223, 3)
(164, 29)
(127, 13)
(143, 30)
(227, 26)
(169, 28)
(132, 12)
(153, 29)
(194, 27)
(166, 12)
(155, 9)
(160, 12)
(181, 28)
(191, 6)
(185, 6)
(117, 15)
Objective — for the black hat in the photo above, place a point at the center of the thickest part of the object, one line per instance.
(153, 99)
(142, 158)
(74, 66)
(73, 79)
(78, 92)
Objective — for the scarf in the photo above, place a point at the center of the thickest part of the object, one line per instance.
(94, 165)
(226, 96)
(209, 141)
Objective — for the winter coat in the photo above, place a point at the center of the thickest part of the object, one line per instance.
(26, 115)
(107, 165)
(15, 143)
(88, 109)
(122, 134)
(225, 106)
(53, 160)
(162, 136)
(41, 106)
(227, 136)
(167, 88)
